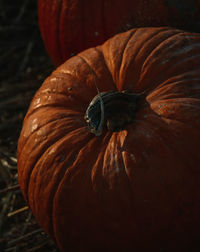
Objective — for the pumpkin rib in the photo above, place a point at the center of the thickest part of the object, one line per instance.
(53, 105)
(148, 120)
(119, 173)
(170, 44)
(99, 49)
(116, 79)
(63, 76)
(164, 42)
(152, 36)
(97, 170)
(173, 109)
(52, 121)
(89, 86)
(173, 71)
(154, 132)
(43, 95)
(176, 86)
(107, 51)
(42, 148)
(151, 132)
(179, 78)
(135, 121)
(170, 70)
(56, 182)
(53, 93)
(51, 145)
(69, 179)
(93, 72)
(176, 145)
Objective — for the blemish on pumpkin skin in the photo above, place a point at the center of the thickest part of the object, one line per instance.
(61, 158)
(46, 91)
(148, 135)
(37, 101)
(49, 97)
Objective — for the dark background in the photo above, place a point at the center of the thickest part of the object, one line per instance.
(24, 65)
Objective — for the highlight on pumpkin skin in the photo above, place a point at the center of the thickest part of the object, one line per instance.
(119, 110)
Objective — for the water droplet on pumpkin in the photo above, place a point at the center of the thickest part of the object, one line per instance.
(34, 127)
(52, 151)
(132, 157)
(42, 133)
(47, 90)
(37, 101)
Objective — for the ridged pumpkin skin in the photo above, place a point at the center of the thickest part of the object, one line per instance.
(71, 26)
(133, 190)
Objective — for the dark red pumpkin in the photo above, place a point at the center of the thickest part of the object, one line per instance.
(134, 187)
(71, 26)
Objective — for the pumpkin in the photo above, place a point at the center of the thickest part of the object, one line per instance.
(108, 155)
(69, 27)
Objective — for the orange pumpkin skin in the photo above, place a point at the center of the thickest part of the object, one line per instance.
(132, 190)
(71, 26)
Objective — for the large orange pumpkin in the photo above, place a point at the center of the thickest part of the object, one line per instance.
(133, 186)
(70, 26)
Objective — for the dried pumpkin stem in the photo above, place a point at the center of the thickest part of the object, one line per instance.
(119, 111)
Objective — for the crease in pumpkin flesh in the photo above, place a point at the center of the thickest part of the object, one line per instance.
(83, 166)
(154, 71)
(42, 138)
(142, 49)
(53, 173)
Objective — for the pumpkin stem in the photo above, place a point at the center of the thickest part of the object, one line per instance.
(119, 110)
